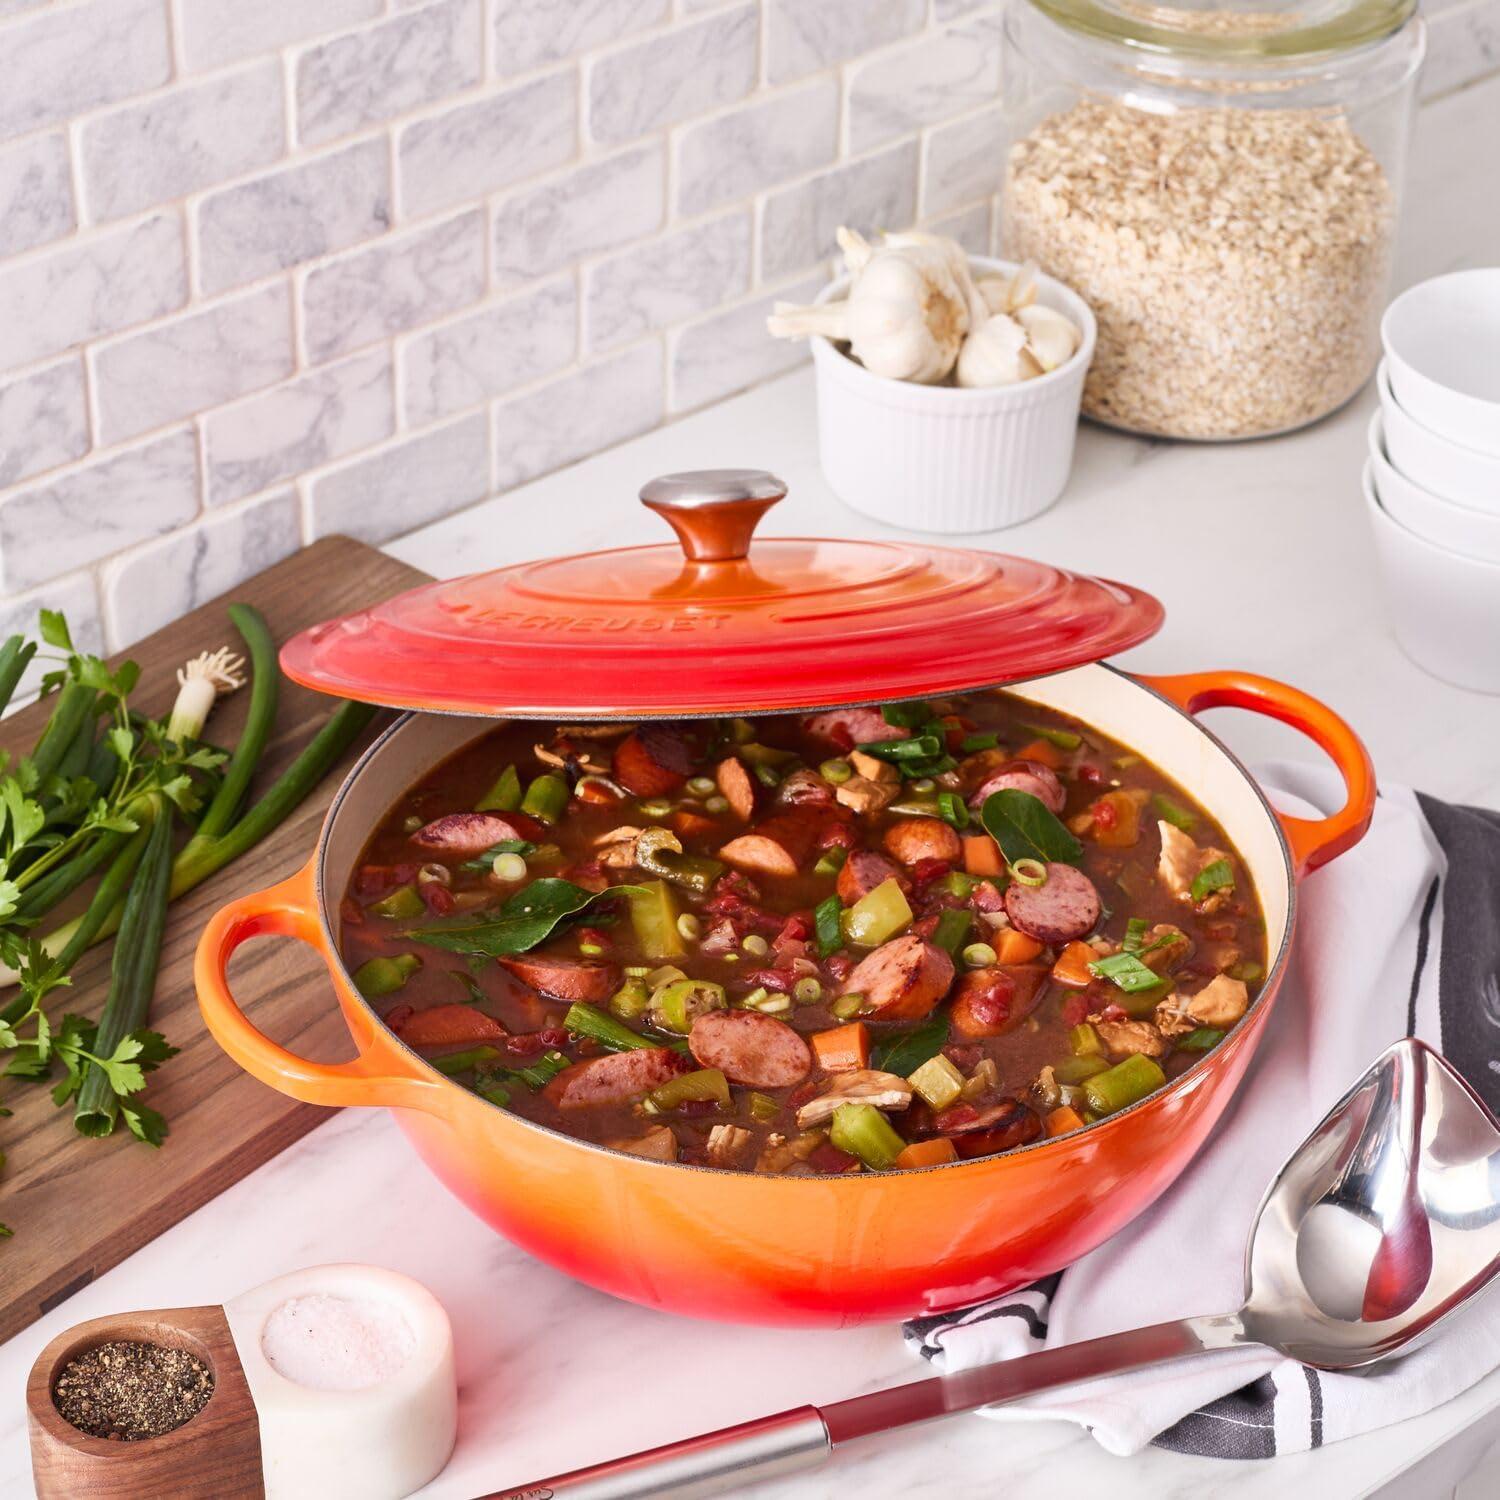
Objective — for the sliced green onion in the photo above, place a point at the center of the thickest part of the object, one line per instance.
(539, 1074)
(768, 1002)
(690, 926)
(1247, 972)
(1135, 934)
(716, 804)
(1215, 877)
(807, 991)
(702, 786)
(922, 784)
(631, 1000)
(919, 747)
(453, 1063)
(978, 955)
(768, 776)
(763, 1108)
(599, 1026)
(1173, 812)
(906, 715)
(1201, 1040)
(656, 807)
(837, 770)
(973, 742)
(831, 861)
(508, 867)
(1126, 972)
(504, 795)
(755, 945)
(952, 930)
(952, 809)
(827, 915)
(1064, 739)
(1125, 762)
(1030, 872)
(846, 1007)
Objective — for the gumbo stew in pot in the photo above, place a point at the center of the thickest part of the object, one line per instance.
(864, 939)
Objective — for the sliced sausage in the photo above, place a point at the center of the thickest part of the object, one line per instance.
(615, 1078)
(776, 847)
(448, 1026)
(749, 1048)
(998, 1128)
(847, 727)
(902, 980)
(569, 979)
(863, 871)
(1024, 776)
(737, 787)
(466, 833)
(990, 1001)
(914, 839)
(804, 788)
(653, 760)
(1066, 907)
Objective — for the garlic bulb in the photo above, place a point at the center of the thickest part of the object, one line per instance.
(1007, 294)
(994, 354)
(1050, 337)
(904, 318)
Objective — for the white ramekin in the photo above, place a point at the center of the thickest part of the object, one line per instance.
(941, 458)
(1463, 475)
(1459, 528)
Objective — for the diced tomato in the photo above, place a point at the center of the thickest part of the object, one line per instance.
(737, 883)
(780, 980)
(925, 871)
(1075, 1008)
(963, 1057)
(804, 1093)
(986, 897)
(1090, 775)
(439, 899)
(376, 880)
(1114, 1012)
(828, 1158)
(839, 966)
(352, 912)
(528, 1042)
(595, 937)
(590, 876)
(841, 737)
(796, 929)
(1105, 815)
(597, 793)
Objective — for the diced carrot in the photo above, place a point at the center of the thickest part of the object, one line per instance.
(1012, 947)
(1116, 820)
(1072, 966)
(982, 855)
(845, 1049)
(1041, 751)
(931, 1153)
(1063, 1119)
(449, 1026)
(691, 824)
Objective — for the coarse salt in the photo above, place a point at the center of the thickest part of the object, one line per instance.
(336, 1343)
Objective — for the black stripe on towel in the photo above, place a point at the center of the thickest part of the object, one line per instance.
(1314, 1408)
(1424, 932)
(1239, 1425)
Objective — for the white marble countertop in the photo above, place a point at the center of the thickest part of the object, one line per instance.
(1261, 555)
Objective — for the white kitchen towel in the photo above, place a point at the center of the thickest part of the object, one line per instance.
(1398, 937)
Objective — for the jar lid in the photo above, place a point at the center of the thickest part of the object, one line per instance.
(1230, 30)
(715, 626)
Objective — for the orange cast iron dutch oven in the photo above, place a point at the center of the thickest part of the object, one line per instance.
(794, 625)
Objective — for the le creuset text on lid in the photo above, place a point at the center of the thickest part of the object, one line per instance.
(717, 626)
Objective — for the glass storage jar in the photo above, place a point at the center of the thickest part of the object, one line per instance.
(1222, 184)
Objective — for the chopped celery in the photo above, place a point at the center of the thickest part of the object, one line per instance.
(763, 1108)
(1247, 971)
(676, 1006)
(938, 1081)
(1064, 739)
(952, 930)
(384, 976)
(1123, 1084)
(401, 902)
(1078, 1069)
(460, 1062)
(653, 915)
(504, 796)
(975, 742)
(1201, 1040)
(911, 805)
(831, 861)
(1214, 877)
(827, 920)
(706, 1083)
(956, 883)
(766, 755)
(768, 776)
(838, 770)
(846, 1007)
(1084, 1041)
(1173, 812)
(631, 1000)
(546, 798)
(599, 1026)
(862, 1131)
(877, 916)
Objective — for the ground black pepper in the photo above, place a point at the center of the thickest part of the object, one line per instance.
(128, 1390)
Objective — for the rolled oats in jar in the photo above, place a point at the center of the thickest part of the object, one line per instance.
(1222, 187)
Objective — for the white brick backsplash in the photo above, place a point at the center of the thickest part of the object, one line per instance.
(488, 352)
(193, 137)
(972, 227)
(946, 10)
(43, 420)
(400, 283)
(77, 597)
(585, 211)
(221, 31)
(160, 582)
(531, 33)
(98, 508)
(89, 287)
(568, 419)
(731, 350)
(298, 426)
(36, 192)
(965, 160)
(286, 217)
(930, 80)
(150, 379)
(806, 35)
(69, 60)
(476, 147)
(798, 223)
(405, 484)
(667, 280)
(370, 75)
(756, 146)
(696, 67)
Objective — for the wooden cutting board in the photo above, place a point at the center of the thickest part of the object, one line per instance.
(77, 1206)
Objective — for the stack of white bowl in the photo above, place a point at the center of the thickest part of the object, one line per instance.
(1432, 481)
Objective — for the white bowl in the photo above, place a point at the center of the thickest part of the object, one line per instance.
(1445, 608)
(942, 458)
(1463, 475)
(1442, 341)
(1474, 533)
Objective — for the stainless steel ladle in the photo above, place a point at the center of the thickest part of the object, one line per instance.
(1384, 1222)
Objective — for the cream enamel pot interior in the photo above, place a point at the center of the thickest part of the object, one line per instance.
(803, 1250)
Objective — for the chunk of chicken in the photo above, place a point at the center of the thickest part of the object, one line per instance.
(1181, 862)
(617, 847)
(1175, 945)
(727, 1144)
(865, 796)
(872, 768)
(1219, 1004)
(867, 1086)
(1125, 1038)
(659, 1144)
(780, 1154)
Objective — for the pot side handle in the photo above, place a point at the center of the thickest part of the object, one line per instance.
(1314, 841)
(288, 910)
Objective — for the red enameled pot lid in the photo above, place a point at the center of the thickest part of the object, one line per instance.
(717, 626)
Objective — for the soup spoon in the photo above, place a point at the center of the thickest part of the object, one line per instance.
(1384, 1222)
